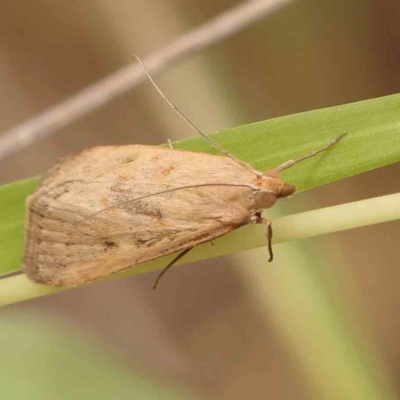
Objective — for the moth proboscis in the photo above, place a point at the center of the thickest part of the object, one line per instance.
(109, 208)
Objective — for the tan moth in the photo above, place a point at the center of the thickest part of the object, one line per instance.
(109, 208)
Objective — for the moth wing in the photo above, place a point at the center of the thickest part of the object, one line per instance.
(83, 224)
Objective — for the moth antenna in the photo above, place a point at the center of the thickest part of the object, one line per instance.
(290, 163)
(255, 188)
(180, 113)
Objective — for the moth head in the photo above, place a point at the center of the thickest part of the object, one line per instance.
(271, 188)
(286, 190)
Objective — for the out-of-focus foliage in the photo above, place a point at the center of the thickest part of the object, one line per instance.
(44, 361)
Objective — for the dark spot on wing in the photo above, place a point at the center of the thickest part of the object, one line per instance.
(142, 208)
(108, 244)
(143, 242)
(63, 187)
(168, 170)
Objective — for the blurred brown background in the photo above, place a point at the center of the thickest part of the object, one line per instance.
(217, 326)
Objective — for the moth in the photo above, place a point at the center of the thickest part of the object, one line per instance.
(109, 208)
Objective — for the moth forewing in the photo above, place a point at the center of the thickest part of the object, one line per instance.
(68, 244)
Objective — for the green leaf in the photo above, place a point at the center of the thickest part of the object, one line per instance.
(373, 141)
(12, 217)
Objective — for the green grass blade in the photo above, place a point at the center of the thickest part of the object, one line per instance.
(12, 217)
(373, 141)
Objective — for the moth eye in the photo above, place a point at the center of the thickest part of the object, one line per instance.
(264, 199)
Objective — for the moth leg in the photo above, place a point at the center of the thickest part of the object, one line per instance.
(170, 144)
(261, 220)
(165, 269)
